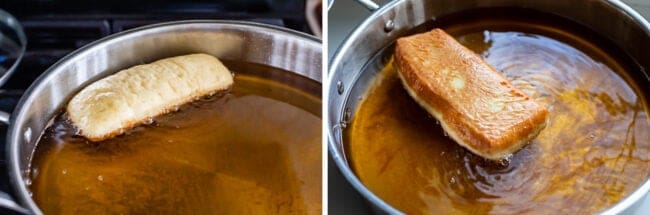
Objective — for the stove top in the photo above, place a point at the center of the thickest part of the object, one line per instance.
(54, 28)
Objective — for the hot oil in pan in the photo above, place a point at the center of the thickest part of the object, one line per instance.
(593, 152)
(253, 150)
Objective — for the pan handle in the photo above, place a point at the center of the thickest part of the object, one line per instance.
(7, 204)
(368, 4)
(4, 117)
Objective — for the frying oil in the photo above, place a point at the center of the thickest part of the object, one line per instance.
(255, 149)
(594, 151)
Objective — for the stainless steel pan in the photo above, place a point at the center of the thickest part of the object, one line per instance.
(365, 51)
(236, 41)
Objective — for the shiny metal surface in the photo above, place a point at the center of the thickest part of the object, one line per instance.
(237, 41)
(312, 14)
(11, 52)
(4, 118)
(10, 49)
(357, 60)
(369, 4)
